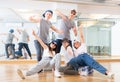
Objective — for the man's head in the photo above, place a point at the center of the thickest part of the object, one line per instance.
(73, 12)
(48, 13)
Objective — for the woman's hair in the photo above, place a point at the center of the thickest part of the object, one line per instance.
(54, 42)
(65, 40)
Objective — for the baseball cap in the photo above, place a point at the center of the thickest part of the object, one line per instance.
(11, 30)
(76, 39)
(54, 42)
(47, 11)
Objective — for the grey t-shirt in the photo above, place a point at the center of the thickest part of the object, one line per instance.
(9, 38)
(43, 30)
(66, 26)
(23, 37)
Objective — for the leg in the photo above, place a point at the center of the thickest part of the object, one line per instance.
(59, 44)
(6, 50)
(20, 48)
(13, 50)
(41, 64)
(70, 43)
(27, 49)
(39, 50)
(61, 69)
(89, 61)
(55, 62)
(69, 70)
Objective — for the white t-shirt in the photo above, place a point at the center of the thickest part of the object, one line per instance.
(23, 37)
(46, 53)
(66, 55)
(82, 49)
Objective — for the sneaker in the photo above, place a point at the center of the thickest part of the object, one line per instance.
(57, 74)
(111, 75)
(40, 71)
(20, 74)
(30, 57)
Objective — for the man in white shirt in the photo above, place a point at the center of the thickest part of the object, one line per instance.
(84, 59)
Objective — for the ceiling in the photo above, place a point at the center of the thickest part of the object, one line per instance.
(20, 10)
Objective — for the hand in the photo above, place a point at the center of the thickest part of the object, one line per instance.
(80, 27)
(61, 31)
(33, 33)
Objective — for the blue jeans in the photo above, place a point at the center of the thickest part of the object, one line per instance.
(39, 50)
(86, 60)
(11, 49)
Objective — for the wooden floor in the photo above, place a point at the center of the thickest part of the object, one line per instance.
(8, 73)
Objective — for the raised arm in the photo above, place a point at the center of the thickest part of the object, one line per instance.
(35, 19)
(16, 37)
(3, 33)
(56, 30)
(60, 14)
(40, 41)
(19, 30)
(81, 34)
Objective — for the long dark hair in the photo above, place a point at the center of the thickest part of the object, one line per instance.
(66, 40)
(50, 49)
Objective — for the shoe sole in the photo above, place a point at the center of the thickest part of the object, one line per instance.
(20, 74)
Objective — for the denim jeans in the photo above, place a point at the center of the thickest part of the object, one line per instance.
(10, 48)
(86, 60)
(39, 50)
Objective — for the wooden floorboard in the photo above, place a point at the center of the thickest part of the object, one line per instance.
(33, 61)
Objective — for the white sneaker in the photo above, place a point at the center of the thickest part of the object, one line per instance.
(20, 73)
(57, 74)
(110, 75)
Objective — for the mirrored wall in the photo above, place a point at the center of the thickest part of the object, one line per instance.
(97, 35)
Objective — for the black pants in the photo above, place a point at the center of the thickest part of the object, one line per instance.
(25, 45)
(59, 44)
(68, 70)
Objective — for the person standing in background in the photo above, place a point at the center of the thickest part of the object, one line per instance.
(43, 31)
(9, 46)
(65, 24)
(23, 42)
